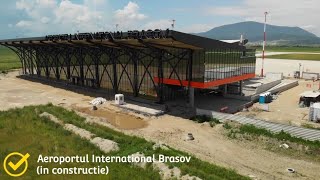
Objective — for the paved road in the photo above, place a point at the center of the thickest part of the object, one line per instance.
(287, 66)
(304, 133)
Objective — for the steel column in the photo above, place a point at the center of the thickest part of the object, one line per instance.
(135, 72)
(114, 61)
(161, 76)
(81, 59)
(96, 57)
(68, 59)
(57, 63)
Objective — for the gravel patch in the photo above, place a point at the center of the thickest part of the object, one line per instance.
(140, 164)
(79, 131)
(164, 170)
(160, 146)
(51, 118)
(105, 145)
(188, 177)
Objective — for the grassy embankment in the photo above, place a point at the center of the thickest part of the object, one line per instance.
(302, 53)
(309, 57)
(8, 60)
(299, 148)
(24, 131)
(289, 49)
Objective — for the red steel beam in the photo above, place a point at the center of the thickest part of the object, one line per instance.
(204, 85)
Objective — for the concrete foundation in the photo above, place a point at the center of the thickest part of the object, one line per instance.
(144, 109)
(241, 87)
(191, 97)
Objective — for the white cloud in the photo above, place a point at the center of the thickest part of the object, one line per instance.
(99, 5)
(46, 3)
(129, 16)
(36, 8)
(55, 16)
(95, 3)
(64, 16)
(130, 12)
(284, 12)
(45, 20)
(24, 24)
(24, 5)
(77, 16)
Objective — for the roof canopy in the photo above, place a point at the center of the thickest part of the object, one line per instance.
(134, 39)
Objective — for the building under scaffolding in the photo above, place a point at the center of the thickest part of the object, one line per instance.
(158, 65)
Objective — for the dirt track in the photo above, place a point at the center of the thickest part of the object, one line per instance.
(285, 109)
(210, 144)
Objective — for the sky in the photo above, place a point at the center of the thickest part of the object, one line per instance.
(30, 18)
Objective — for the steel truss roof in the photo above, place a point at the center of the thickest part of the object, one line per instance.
(133, 39)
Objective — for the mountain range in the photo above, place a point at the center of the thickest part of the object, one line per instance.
(253, 31)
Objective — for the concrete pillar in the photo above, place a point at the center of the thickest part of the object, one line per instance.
(225, 89)
(191, 97)
(240, 87)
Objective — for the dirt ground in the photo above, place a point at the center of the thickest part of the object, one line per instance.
(210, 144)
(285, 109)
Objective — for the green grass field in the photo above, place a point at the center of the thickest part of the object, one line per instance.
(8, 60)
(24, 131)
(288, 49)
(310, 57)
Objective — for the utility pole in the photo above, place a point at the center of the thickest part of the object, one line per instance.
(117, 25)
(173, 23)
(264, 41)
(300, 70)
(241, 39)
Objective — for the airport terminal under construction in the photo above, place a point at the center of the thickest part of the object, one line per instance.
(182, 91)
(157, 65)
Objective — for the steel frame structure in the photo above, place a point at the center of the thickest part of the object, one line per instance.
(134, 63)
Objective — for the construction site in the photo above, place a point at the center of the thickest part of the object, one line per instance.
(151, 83)
(156, 65)
(159, 67)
